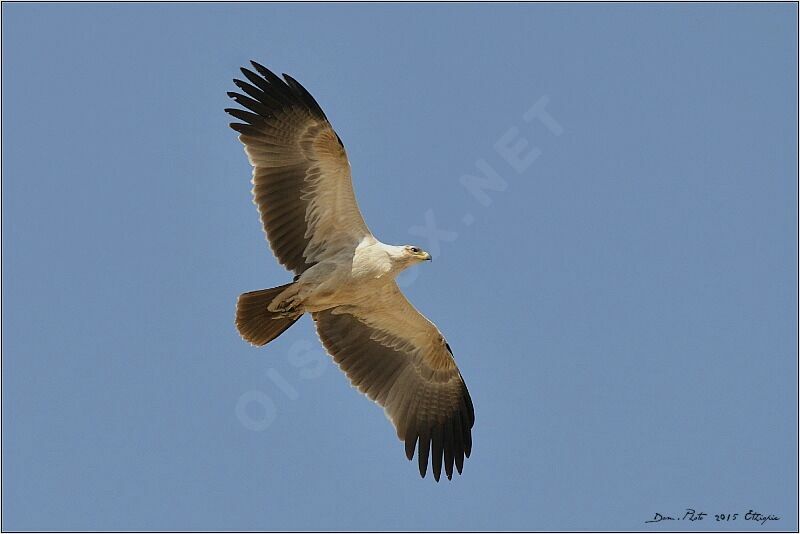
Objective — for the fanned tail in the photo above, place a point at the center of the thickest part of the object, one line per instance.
(258, 325)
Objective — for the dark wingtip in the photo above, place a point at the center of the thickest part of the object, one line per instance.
(306, 97)
(411, 444)
(244, 129)
(423, 452)
(245, 71)
(264, 71)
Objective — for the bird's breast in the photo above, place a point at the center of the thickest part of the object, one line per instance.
(370, 264)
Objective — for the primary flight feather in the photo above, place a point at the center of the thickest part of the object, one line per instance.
(344, 277)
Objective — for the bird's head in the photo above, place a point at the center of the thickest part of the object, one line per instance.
(413, 254)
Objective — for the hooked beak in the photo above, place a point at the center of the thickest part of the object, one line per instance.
(428, 257)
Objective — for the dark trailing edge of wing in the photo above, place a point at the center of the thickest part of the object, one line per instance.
(265, 96)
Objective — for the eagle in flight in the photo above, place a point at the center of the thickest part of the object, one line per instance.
(344, 277)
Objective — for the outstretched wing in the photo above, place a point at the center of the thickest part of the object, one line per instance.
(301, 176)
(400, 360)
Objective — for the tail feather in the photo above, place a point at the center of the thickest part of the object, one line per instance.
(256, 324)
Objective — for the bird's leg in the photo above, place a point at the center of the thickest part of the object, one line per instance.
(287, 315)
(288, 303)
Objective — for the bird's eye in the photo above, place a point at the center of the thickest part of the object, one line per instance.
(415, 250)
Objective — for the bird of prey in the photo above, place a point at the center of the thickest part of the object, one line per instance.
(344, 277)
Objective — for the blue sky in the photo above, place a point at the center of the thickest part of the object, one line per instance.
(621, 298)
